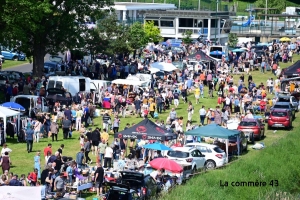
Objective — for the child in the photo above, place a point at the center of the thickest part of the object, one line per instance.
(146, 112)
(81, 140)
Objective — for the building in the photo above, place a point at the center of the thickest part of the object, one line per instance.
(210, 24)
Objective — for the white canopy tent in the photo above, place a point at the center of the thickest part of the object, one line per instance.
(128, 82)
(163, 66)
(154, 70)
(6, 112)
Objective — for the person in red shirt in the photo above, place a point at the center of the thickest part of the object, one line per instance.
(48, 149)
(33, 177)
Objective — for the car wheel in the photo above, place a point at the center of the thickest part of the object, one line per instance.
(269, 127)
(252, 138)
(210, 164)
(15, 58)
(194, 170)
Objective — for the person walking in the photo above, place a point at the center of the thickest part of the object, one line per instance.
(80, 158)
(79, 114)
(102, 147)
(37, 129)
(116, 124)
(202, 113)
(29, 138)
(108, 155)
(66, 124)
(5, 162)
(87, 149)
(37, 163)
(54, 130)
(99, 176)
(95, 140)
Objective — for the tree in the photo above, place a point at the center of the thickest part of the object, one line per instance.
(232, 39)
(278, 4)
(187, 37)
(152, 32)
(48, 26)
(137, 37)
(115, 34)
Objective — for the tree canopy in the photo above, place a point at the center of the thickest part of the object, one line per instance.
(47, 26)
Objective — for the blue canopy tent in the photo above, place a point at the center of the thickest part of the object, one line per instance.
(217, 53)
(157, 146)
(13, 106)
(175, 44)
(238, 50)
(214, 130)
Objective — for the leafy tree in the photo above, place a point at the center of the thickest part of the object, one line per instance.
(187, 37)
(278, 4)
(48, 26)
(137, 37)
(232, 39)
(152, 32)
(115, 35)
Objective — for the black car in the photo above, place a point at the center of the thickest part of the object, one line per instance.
(118, 191)
(259, 55)
(15, 75)
(144, 185)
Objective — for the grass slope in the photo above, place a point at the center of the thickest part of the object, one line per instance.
(12, 63)
(247, 168)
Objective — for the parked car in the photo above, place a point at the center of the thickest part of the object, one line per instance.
(214, 155)
(2, 58)
(15, 74)
(285, 105)
(243, 141)
(120, 191)
(188, 155)
(12, 55)
(259, 54)
(144, 185)
(280, 118)
(252, 125)
(289, 98)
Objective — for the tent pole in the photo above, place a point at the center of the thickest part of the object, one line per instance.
(227, 150)
(18, 128)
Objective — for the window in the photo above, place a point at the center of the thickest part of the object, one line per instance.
(185, 22)
(282, 106)
(178, 154)
(279, 114)
(202, 149)
(246, 123)
(167, 23)
(218, 150)
(155, 22)
(196, 153)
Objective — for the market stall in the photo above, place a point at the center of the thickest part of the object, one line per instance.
(4, 114)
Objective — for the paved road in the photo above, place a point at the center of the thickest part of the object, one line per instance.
(24, 67)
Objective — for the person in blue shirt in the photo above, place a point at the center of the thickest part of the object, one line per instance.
(86, 115)
(29, 138)
(79, 159)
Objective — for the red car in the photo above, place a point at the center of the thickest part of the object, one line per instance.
(252, 125)
(280, 118)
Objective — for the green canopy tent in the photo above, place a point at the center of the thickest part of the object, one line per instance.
(214, 130)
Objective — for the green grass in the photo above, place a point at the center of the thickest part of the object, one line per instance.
(11, 63)
(244, 169)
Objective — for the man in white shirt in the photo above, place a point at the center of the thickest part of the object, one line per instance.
(202, 113)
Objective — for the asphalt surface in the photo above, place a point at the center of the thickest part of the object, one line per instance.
(24, 67)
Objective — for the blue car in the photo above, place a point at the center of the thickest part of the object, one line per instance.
(10, 55)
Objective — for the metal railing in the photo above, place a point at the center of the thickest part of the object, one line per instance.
(262, 30)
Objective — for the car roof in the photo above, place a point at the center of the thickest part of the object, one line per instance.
(183, 149)
(202, 144)
(26, 96)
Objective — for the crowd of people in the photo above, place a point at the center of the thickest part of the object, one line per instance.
(164, 96)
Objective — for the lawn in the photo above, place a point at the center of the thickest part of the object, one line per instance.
(13, 63)
(23, 161)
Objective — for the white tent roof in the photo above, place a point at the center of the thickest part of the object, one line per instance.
(168, 67)
(127, 82)
(6, 112)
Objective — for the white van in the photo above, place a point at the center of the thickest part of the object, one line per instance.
(72, 84)
(30, 102)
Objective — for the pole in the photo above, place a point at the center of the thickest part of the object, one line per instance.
(199, 1)
(266, 13)
(216, 26)
(178, 4)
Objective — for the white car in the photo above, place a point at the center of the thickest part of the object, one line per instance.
(214, 155)
(188, 156)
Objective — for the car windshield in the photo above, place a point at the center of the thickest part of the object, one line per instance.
(284, 99)
(282, 106)
(178, 154)
(279, 114)
(246, 123)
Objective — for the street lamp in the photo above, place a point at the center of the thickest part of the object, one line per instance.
(216, 26)
(266, 13)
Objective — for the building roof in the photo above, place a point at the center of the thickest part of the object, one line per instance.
(184, 13)
(141, 6)
(278, 15)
